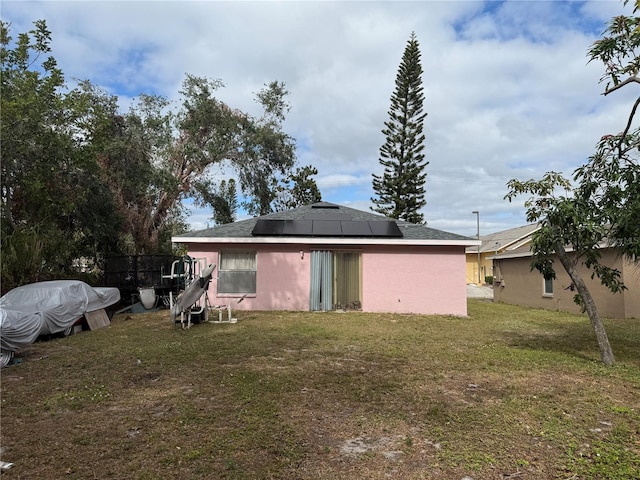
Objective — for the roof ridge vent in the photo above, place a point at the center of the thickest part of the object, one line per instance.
(325, 205)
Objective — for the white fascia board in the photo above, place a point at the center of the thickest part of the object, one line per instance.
(510, 255)
(500, 256)
(324, 241)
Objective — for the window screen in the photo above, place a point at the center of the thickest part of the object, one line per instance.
(237, 272)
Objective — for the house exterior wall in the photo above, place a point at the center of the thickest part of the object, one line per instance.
(282, 276)
(472, 267)
(427, 280)
(515, 283)
(631, 276)
(403, 279)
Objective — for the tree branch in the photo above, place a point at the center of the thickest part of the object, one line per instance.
(626, 130)
(621, 84)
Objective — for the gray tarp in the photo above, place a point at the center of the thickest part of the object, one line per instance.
(18, 329)
(47, 307)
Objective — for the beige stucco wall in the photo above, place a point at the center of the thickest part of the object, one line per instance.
(486, 266)
(516, 284)
(631, 275)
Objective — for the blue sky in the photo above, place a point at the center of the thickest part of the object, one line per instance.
(508, 89)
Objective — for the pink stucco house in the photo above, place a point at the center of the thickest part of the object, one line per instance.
(330, 257)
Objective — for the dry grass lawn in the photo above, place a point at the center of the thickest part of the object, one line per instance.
(509, 392)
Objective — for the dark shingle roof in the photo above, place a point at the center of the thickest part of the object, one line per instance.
(319, 211)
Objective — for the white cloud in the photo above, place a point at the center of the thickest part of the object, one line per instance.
(340, 180)
(508, 89)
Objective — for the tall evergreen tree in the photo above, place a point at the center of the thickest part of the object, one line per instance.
(400, 190)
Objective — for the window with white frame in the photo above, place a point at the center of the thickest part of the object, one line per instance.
(547, 287)
(237, 272)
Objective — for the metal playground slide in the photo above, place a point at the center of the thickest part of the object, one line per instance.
(182, 307)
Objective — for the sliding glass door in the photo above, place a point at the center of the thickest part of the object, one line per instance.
(335, 280)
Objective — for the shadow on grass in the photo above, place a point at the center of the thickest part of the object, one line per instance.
(577, 339)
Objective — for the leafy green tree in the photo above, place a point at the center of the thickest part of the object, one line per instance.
(49, 188)
(211, 133)
(29, 124)
(128, 149)
(80, 179)
(22, 257)
(603, 207)
(298, 189)
(153, 157)
(611, 178)
(269, 152)
(567, 221)
(400, 190)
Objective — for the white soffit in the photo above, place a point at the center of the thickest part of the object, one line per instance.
(325, 241)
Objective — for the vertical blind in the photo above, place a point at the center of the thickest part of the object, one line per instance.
(335, 280)
(321, 281)
(346, 292)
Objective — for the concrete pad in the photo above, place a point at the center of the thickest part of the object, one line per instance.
(479, 291)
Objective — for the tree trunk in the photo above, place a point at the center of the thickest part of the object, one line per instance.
(606, 354)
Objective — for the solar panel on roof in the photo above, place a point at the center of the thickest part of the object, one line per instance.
(385, 228)
(327, 228)
(268, 227)
(353, 228)
(298, 227)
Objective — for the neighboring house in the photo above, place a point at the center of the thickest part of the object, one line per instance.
(515, 283)
(330, 257)
(493, 244)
